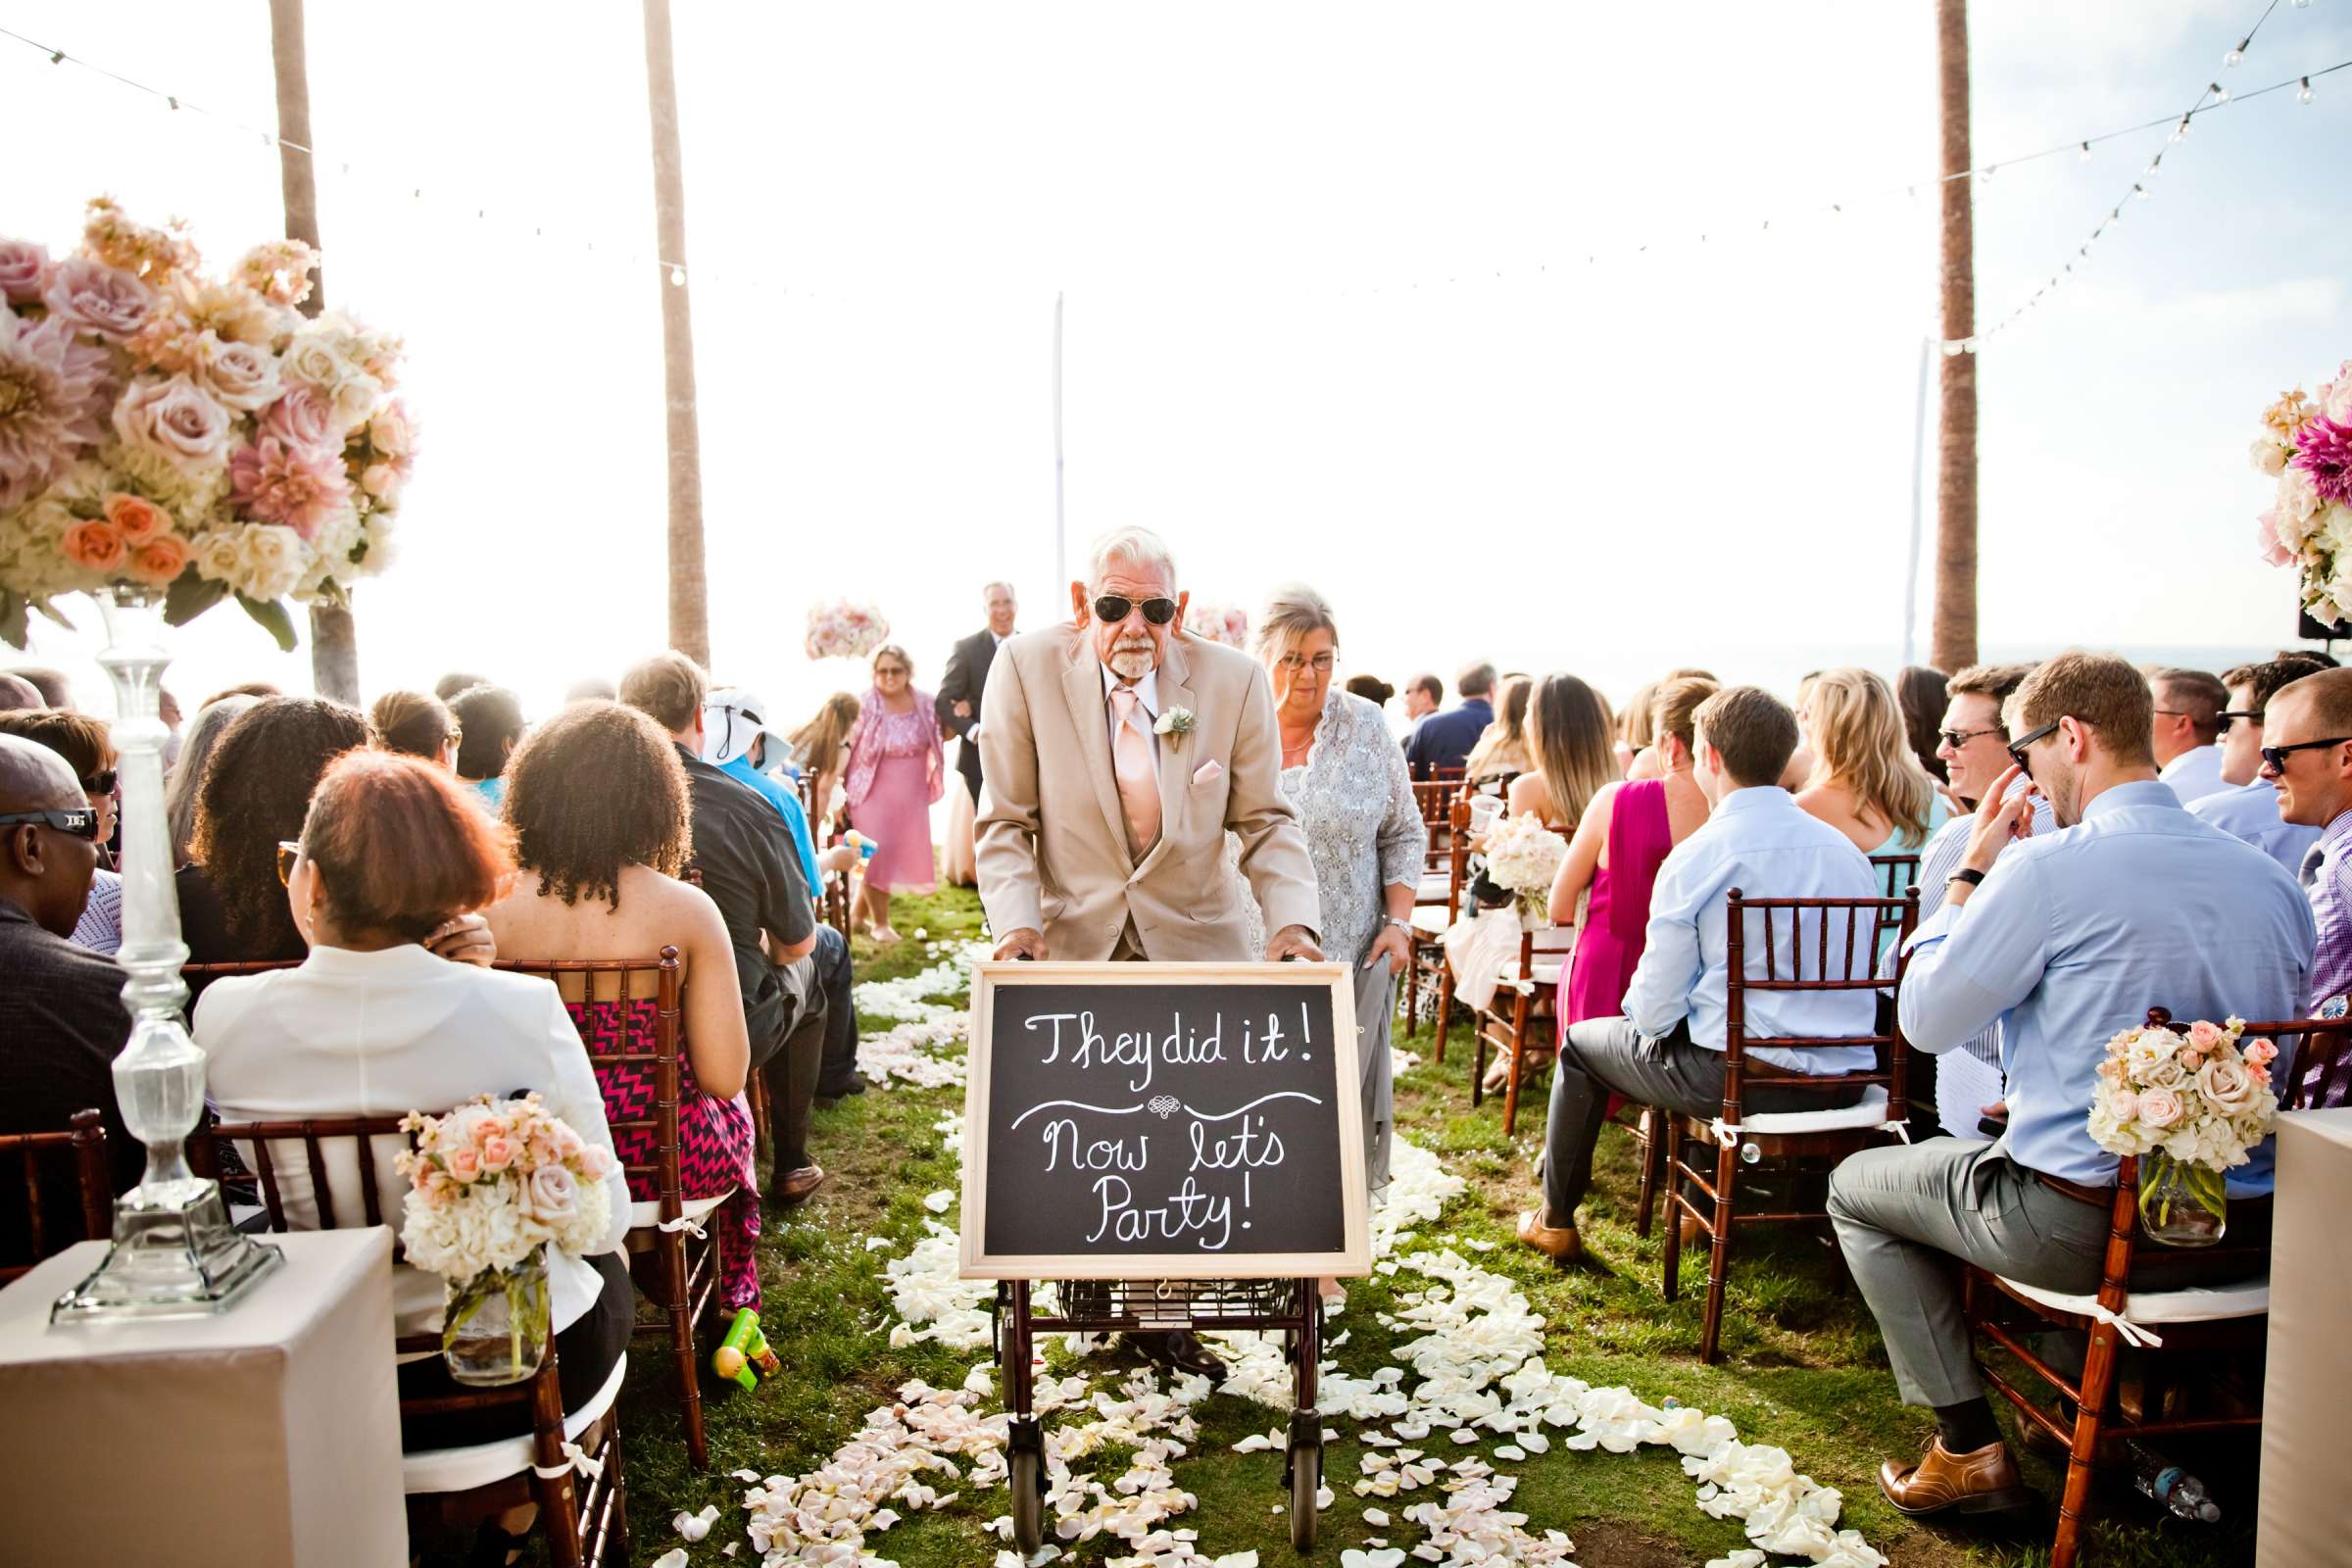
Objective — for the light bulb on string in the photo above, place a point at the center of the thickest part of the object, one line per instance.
(2220, 94)
(2142, 192)
(2303, 96)
(2086, 152)
(2230, 61)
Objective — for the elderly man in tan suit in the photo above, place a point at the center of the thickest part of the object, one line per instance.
(1118, 752)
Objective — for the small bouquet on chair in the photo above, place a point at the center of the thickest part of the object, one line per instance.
(2190, 1103)
(491, 1186)
(1523, 857)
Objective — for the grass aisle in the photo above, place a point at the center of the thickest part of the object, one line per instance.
(1802, 1370)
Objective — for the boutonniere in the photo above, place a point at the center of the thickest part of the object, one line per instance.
(1176, 724)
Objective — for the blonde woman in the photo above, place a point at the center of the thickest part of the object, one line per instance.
(1501, 753)
(822, 749)
(1866, 780)
(1634, 731)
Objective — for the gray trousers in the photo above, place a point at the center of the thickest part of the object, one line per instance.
(1601, 1055)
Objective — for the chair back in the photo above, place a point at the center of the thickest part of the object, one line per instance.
(1457, 857)
(1897, 872)
(628, 1018)
(1818, 946)
(86, 1144)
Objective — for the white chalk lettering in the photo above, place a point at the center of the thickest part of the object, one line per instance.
(1105, 1153)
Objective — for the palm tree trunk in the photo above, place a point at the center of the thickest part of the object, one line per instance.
(689, 608)
(334, 638)
(1955, 626)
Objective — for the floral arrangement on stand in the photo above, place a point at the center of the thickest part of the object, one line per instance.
(2192, 1104)
(840, 629)
(1218, 623)
(2306, 445)
(167, 429)
(491, 1186)
(1523, 857)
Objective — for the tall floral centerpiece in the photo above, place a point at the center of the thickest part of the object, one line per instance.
(2190, 1103)
(171, 439)
(1218, 623)
(2306, 445)
(840, 628)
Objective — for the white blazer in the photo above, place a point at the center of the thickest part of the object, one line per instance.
(381, 1033)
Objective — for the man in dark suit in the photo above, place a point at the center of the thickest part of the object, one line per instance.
(1443, 741)
(966, 678)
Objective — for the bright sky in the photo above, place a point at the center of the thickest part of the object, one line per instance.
(1329, 312)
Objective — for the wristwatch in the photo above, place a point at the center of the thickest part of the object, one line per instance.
(1968, 874)
(1405, 926)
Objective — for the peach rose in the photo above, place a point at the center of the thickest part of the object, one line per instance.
(2204, 1035)
(2231, 1086)
(2260, 1053)
(136, 518)
(95, 544)
(595, 1162)
(498, 1152)
(2125, 1103)
(161, 560)
(2160, 1107)
(465, 1165)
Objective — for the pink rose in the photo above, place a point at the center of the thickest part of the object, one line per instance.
(551, 1196)
(304, 418)
(136, 518)
(464, 1164)
(2160, 1107)
(174, 418)
(160, 562)
(2204, 1035)
(94, 544)
(2266, 540)
(596, 1163)
(2260, 1053)
(92, 297)
(239, 374)
(392, 431)
(2125, 1105)
(498, 1152)
(544, 1150)
(23, 271)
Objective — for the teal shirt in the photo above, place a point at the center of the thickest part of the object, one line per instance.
(789, 804)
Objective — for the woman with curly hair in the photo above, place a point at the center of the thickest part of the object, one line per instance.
(598, 801)
(253, 796)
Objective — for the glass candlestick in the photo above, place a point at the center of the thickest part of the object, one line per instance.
(175, 1253)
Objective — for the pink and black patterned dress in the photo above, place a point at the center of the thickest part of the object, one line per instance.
(714, 1137)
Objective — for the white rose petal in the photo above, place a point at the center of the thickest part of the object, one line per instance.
(941, 1202)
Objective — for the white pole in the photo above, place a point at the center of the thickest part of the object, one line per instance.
(1919, 473)
(1061, 576)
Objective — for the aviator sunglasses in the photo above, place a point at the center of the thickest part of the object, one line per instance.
(1115, 608)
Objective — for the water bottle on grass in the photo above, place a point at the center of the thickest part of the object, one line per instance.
(2174, 1488)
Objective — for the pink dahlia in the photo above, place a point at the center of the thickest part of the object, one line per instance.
(2323, 451)
(274, 482)
(50, 387)
(93, 297)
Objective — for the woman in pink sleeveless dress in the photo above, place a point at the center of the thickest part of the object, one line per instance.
(897, 770)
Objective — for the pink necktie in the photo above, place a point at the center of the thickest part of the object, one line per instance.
(1139, 779)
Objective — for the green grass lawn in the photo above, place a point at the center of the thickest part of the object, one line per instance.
(1802, 1365)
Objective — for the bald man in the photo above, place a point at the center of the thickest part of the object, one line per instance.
(18, 693)
(62, 1018)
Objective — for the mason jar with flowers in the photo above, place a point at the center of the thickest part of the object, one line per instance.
(2190, 1104)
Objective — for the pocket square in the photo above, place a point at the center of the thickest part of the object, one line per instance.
(1207, 773)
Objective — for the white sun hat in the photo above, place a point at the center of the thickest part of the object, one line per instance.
(732, 717)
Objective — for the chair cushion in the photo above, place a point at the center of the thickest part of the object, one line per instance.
(2200, 1303)
(1435, 887)
(644, 1215)
(1868, 1111)
(1555, 939)
(1429, 919)
(481, 1464)
(1545, 971)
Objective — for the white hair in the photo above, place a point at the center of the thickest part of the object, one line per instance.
(1136, 547)
(988, 591)
(1292, 612)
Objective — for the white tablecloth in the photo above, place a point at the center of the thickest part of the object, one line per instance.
(269, 1436)
(2306, 1510)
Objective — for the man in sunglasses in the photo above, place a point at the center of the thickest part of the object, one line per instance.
(1118, 753)
(2245, 806)
(2307, 761)
(2069, 938)
(62, 1018)
(2184, 729)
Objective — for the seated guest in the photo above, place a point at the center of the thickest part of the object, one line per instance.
(1501, 753)
(62, 1019)
(1569, 758)
(751, 871)
(1372, 689)
(2067, 939)
(1634, 732)
(2246, 806)
(373, 1024)
(1422, 694)
(820, 749)
(1442, 742)
(1621, 841)
(489, 726)
(457, 682)
(1921, 693)
(599, 807)
(1866, 782)
(19, 695)
(212, 721)
(85, 745)
(56, 690)
(591, 688)
(2183, 731)
(253, 797)
(1641, 765)
(2307, 759)
(415, 724)
(738, 742)
(1667, 1049)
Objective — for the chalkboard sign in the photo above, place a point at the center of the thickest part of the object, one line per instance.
(1163, 1121)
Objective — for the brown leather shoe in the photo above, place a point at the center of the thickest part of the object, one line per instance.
(1694, 1235)
(794, 1187)
(1559, 1242)
(1982, 1482)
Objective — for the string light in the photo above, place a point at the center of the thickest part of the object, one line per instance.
(2086, 152)
(2304, 96)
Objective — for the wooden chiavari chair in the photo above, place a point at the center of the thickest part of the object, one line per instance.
(1897, 872)
(85, 1142)
(668, 1231)
(2202, 1320)
(1544, 957)
(583, 1524)
(833, 897)
(1430, 922)
(1433, 800)
(1841, 953)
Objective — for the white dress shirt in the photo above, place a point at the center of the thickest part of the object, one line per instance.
(1761, 842)
(381, 1033)
(2073, 937)
(2194, 774)
(1145, 715)
(2250, 811)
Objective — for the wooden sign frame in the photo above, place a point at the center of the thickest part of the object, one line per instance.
(1354, 1258)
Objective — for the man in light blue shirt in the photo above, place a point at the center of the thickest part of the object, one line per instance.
(2066, 940)
(2246, 806)
(1668, 1049)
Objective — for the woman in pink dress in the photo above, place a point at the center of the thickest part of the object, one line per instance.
(897, 772)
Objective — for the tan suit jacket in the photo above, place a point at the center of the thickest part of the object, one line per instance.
(1052, 844)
